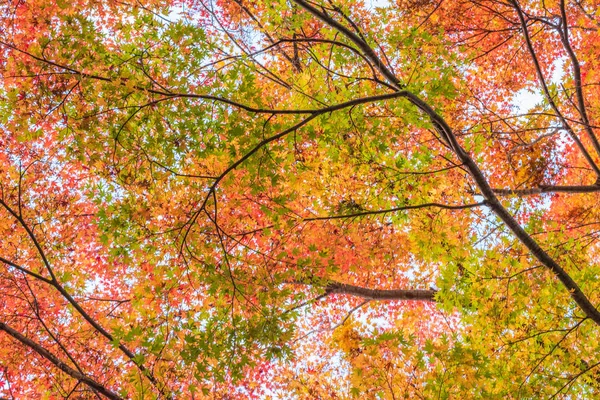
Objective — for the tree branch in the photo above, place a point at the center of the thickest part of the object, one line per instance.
(59, 364)
(548, 189)
(447, 134)
(546, 91)
(25, 270)
(381, 294)
(357, 40)
(564, 36)
(57, 285)
(492, 201)
(396, 209)
(168, 95)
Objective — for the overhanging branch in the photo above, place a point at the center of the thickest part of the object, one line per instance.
(94, 385)
(381, 294)
(548, 189)
(450, 139)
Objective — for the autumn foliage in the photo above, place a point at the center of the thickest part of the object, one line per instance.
(248, 199)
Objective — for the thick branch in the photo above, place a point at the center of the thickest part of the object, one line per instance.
(381, 294)
(59, 364)
(357, 40)
(548, 189)
(492, 201)
(316, 111)
(447, 134)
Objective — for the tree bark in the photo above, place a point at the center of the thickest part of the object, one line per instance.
(381, 294)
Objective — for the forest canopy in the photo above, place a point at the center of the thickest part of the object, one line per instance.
(299, 199)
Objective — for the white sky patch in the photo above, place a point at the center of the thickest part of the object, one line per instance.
(378, 3)
(526, 99)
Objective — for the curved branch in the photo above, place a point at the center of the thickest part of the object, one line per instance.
(546, 91)
(168, 95)
(340, 44)
(264, 142)
(56, 284)
(390, 210)
(492, 201)
(59, 364)
(357, 40)
(233, 166)
(564, 36)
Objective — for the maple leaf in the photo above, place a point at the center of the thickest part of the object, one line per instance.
(308, 199)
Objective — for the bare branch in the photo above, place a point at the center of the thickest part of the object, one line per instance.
(548, 189)
(381, 294)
